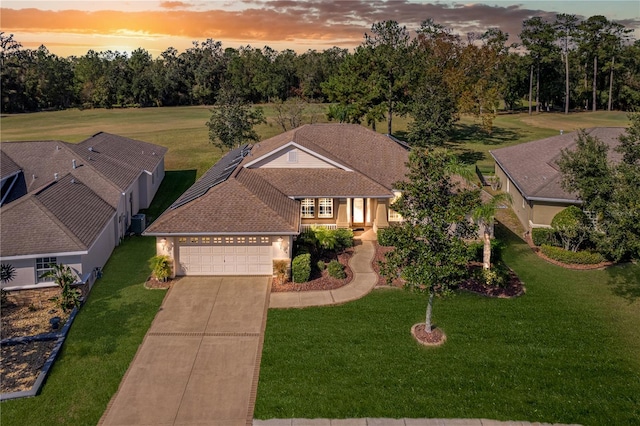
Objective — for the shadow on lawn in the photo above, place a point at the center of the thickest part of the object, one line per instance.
(624, 281)
(175, 182)
(473, 133)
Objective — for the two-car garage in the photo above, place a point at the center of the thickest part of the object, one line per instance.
(225, 255)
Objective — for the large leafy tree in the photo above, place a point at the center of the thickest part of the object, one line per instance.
(232, 120)
(611, 192)
(429, 245)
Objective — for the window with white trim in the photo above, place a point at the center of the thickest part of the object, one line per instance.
(43, 265)
(308, 208)
(325, 207)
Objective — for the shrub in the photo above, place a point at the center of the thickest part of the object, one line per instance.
(336, 270)
(280, 269)
(161, 267)
(321, 265)
(572, 227)
(344, 238)
(544, 236)
(475, 251)
(301, 268)
(385, 237)
(4, 297)
(572, 257)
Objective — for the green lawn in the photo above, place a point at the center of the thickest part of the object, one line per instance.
(567, 351)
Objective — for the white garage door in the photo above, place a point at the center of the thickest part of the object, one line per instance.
(226, 258)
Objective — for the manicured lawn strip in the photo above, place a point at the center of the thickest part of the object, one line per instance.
(101, 344)
(172, 186)
(564, 352)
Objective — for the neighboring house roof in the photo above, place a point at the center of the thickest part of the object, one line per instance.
(67, 199)
(533, 167)
(250, 199)
(66, 216)
(7, 166)
(119, 159)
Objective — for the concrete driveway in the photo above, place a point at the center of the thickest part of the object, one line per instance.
(199, 362)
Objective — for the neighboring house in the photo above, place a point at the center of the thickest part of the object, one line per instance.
(246, 210)
(71, 204)
(529, 173)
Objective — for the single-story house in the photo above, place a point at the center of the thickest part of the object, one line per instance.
(530, 173)
(245, 211)
(64, 203)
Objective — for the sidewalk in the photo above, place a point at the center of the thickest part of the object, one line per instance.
(364, 280)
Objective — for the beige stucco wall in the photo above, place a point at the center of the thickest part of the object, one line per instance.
(520, 206)
(543, 213)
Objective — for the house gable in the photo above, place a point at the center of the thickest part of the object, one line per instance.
(294, 156)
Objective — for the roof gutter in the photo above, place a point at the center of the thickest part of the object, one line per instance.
(200, 234)
(33, 256)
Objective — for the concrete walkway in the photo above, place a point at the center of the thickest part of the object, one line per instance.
(199, 362)
(364, 280)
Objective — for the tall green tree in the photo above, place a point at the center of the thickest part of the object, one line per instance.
(566, 26)
(538, 37)
(484, 214)
(232, 120)
(429, 245)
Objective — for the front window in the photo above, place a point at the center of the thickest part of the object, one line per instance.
(308, 206)
(43, 265)
(325, 207)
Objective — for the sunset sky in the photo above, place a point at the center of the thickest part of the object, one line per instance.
(74, 27)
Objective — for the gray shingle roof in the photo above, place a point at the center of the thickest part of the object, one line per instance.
(119, 159)
(532, 166)
(7, 166)
(56, 215)
(376, 156)
(66, 216)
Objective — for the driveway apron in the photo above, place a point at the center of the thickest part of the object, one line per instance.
(200, 360)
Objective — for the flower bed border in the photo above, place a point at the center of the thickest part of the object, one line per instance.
(60, 337)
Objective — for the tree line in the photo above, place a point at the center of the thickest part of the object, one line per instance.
(429, 73)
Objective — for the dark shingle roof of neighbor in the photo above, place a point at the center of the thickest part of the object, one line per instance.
(259, 200)
(57, 215)
(532, 166)
(7, 166)
(66, 216)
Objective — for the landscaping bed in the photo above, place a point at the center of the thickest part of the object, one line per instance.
(320, 280)
(22, 362)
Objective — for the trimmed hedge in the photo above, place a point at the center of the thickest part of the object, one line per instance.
(301, 268)
(336, 270)
(344, 238)
(544, 236)
(577, 257)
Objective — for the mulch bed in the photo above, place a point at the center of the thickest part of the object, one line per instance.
(514, 287)
(153, 283)
(434, 338)
(320, 280)
(21, 363)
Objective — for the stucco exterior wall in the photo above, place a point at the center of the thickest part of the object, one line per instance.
(520, 205)
(543, 213)
(25, 277)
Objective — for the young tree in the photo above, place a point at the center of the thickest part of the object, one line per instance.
(429, 245)
(484, 215)
(232, 120)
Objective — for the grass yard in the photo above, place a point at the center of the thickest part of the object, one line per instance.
(567, 351)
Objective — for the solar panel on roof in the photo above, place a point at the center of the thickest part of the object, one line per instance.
(217, 174)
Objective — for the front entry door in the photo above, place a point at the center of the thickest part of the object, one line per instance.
(358, 211)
